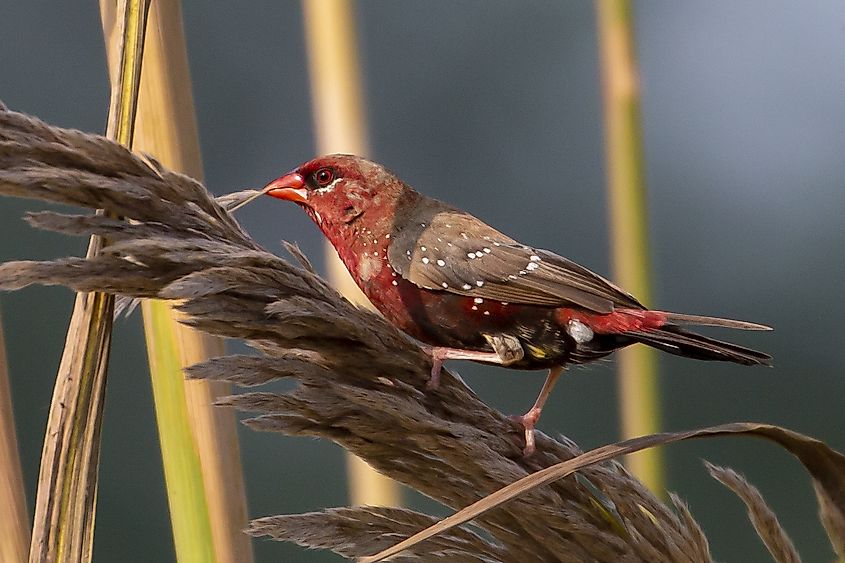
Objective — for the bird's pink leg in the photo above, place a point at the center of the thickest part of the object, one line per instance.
(440, 355)
(529, 419)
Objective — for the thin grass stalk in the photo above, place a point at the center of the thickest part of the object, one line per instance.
(638, 385)
(340, 127)
(14, 521)
(199, 441)
(65, 506)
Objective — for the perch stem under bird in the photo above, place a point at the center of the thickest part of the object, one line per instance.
(471, 292)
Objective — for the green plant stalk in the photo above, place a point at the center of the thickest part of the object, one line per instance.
(182, 468)
(65, 506)
(638, 383)
(14, 522)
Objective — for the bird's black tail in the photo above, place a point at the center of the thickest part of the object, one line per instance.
(675, 340)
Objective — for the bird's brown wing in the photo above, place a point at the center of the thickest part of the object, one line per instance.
(458, 253)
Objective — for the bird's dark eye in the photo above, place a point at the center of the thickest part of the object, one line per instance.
(324, 176)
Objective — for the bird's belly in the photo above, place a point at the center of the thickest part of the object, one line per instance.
(445, 319)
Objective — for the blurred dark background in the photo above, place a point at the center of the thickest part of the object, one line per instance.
(495, 107)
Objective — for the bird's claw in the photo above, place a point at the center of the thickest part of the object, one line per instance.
(528, 421)
(434, 381)
(436, 367)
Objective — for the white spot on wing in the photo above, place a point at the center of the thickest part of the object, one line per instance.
(535, 258)
(579, 332)
(423, 248)
(445, 285)
(532, 266)
(479, 300)
(479, 283)
(441, 263)
(467, 286)
(424, 260)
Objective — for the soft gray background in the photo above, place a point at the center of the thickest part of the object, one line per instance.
(495, 107)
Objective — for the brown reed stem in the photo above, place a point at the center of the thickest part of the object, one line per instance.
(65, 504)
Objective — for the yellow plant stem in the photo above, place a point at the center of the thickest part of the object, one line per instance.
(166, 128)
(14, 522)
(340, 126)
(638, 385)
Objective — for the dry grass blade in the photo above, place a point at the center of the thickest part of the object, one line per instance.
(14, 521)
(765, 522)
(65, 504)
(361, 381)
(166, 129)
(639, 394)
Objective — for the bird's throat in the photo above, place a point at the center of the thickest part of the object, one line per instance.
(362, 246)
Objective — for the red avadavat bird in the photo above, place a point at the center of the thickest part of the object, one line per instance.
(472, 293)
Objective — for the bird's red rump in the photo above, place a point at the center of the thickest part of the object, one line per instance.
(619, 321)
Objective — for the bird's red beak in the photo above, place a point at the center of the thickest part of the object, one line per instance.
(290, 187)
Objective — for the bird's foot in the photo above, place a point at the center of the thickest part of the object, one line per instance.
(528, 421)
(436, 367)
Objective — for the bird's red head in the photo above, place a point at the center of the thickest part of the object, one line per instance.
(338, 190)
